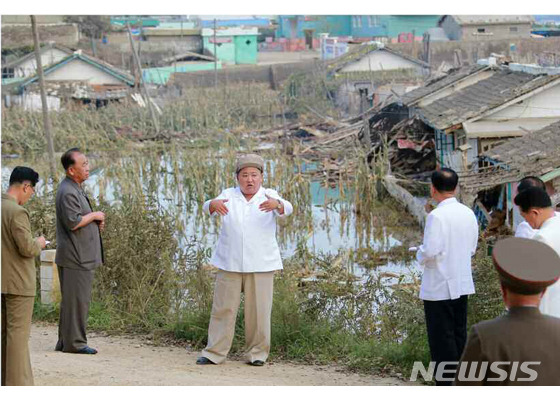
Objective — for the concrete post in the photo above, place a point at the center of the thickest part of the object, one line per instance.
(50, 284)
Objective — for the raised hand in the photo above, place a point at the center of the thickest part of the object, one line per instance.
(269, 205)
(219, 206)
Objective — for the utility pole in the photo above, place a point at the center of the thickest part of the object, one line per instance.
(46, 120)
(142, 83)
(215, 58)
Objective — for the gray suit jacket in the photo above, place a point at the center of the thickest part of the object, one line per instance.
(81, 248)
(523, 334)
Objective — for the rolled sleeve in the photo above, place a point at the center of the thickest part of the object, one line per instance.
(71, 210)
(21, 232)
(431, 247)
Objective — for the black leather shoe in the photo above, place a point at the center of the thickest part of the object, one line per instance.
(87, 350)
(204, 361)
(256, 363)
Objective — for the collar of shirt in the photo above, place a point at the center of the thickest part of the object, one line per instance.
(6, 196)
(551, 220)
(75, 184)
(259, 194)
(447, 201)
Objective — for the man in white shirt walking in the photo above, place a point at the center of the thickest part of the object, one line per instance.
(524, 230)
(450, 240)
(247, 255)
(535, 206)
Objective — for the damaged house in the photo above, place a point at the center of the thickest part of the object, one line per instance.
(492, 189)
(464, 115)
(76, 78)
(369, 73)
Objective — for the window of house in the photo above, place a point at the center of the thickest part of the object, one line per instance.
(357, 21)
(481, 30)
(7, 73)
(373, 20)
(513, 28)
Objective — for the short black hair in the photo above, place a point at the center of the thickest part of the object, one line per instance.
(445, 180)
(533, 197)
(24, 174)
(530, 181)
(67, 158)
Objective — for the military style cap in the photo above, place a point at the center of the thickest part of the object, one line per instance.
(526, 266)
(249, 160)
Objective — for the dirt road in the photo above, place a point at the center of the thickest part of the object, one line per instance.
(132, 361)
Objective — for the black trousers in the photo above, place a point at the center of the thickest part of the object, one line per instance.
(446, 322)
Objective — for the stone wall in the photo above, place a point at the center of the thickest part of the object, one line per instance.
(524, 51)
(273, 74)
(15, 36)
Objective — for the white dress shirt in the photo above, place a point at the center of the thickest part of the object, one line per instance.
(549, 233)
(450, 240)
(247, 241)
(524, 230)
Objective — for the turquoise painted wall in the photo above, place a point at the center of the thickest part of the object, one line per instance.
(241, 50)
(224, 51)
(293, 26)
(406, 23)
(245, 49)
(161, 75)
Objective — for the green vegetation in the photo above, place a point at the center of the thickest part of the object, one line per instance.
(156, 279)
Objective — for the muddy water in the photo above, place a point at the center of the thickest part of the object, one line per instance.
(332, 226)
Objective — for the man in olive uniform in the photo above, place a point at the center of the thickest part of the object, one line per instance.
(19, 250)
(523, 335)
(79, 252)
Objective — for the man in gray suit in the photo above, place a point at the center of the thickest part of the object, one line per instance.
(79, 252)
(524, 342)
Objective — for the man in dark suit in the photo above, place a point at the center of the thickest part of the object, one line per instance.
(79, 252)
(525, 342)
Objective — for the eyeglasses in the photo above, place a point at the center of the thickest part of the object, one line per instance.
(29, 186)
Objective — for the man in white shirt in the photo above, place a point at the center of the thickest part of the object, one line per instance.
(450, 240)
(535, 206)
(524, 230)
(247, 255)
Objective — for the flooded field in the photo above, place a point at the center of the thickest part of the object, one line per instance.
(327, 220)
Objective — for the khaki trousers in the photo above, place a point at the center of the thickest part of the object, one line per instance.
(16, 328)
(257, 287)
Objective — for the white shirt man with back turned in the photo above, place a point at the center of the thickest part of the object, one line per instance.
(450, 241)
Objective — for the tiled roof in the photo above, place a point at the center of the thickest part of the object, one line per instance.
(535, 154)
(361, 51)
(472, 101)
(116, 72)
(441, 83)
(516, 152)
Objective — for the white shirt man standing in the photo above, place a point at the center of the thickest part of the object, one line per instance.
(535, 206)
(247, 255)
(524, 230)
(450, 240)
